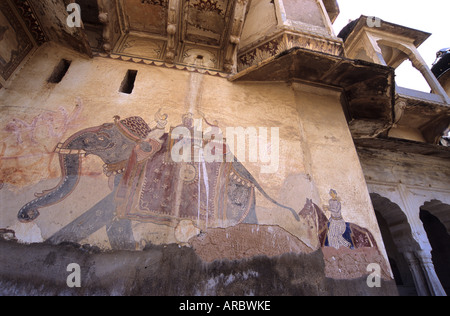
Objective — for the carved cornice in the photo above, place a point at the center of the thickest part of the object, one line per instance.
(285, 41)
(177, 66)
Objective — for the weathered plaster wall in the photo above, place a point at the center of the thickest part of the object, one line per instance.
(310, 12)
(331, 156)
(316, 154)
(332, 160)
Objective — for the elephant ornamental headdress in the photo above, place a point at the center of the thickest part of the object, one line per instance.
(137, 130)
(133, 127)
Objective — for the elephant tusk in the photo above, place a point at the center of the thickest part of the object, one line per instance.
(63, 151)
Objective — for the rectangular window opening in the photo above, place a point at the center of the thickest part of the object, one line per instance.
(127, 85)
(60, 71)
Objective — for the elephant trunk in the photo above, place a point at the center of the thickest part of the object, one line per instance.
(70, 153)
(70, 169)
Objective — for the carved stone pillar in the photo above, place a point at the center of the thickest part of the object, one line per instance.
(172, 28)
(230, 58)
(108, 17)
(417, 273)
(426, 262)
(420, 65)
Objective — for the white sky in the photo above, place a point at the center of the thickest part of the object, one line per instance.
(425, 15)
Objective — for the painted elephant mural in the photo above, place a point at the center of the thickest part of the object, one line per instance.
(149, 185)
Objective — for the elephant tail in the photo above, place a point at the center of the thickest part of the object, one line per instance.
(240, 169)
(260, 189)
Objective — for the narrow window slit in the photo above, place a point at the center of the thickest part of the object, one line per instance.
(60, 71)
(127, 85)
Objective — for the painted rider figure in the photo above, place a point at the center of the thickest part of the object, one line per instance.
(339, 233)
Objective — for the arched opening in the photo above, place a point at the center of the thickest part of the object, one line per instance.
(402, 275)
(396, 56)
(440, 210)
(431, 215)
(398, 240)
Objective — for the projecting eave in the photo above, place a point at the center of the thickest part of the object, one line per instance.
(332, 8)
(354, 27)
(368, 88)
(403, 146)
(425, 112)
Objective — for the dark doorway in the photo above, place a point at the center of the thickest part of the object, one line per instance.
(440, 243)
(402, 273)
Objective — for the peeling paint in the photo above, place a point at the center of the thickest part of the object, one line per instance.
(27, 233)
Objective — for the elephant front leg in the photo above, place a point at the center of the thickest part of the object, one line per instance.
(89, 222)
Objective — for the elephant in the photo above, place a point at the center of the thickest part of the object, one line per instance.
(149, 187)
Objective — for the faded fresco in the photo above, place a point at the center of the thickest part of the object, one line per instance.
(149, 185)
(28, 143)
(193, 198)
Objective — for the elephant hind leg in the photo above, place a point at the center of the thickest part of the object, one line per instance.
(250, 214)
(240, 207)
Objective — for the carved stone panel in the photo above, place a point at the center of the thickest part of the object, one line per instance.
(206, 21)
(148, 16)
(137, 46)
